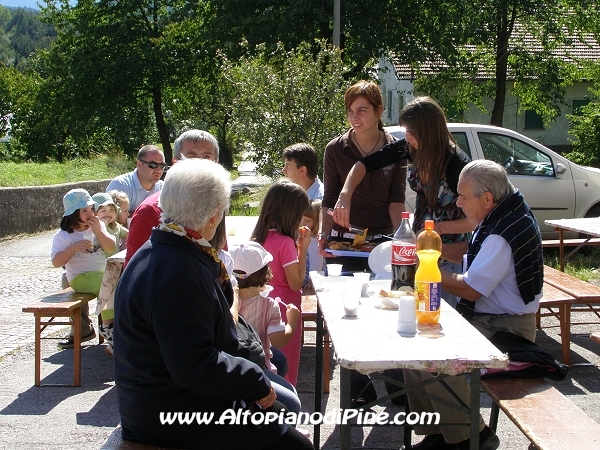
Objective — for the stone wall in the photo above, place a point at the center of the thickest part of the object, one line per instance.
(37, 208)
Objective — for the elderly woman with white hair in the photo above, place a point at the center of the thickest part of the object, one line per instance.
(175, 337)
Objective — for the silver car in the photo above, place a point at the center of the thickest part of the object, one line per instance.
(554, 187)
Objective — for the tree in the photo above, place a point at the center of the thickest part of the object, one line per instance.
(513, 39)
(284, 97)
(113, 60)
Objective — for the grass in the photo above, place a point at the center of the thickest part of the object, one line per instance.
(584, 265)
(45, 174)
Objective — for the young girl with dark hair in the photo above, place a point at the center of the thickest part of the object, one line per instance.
(278, 230)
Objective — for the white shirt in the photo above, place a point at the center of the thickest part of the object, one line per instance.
(492, 273)
(80, 262)
(130, 184)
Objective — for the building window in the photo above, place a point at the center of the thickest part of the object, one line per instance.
(533, 121)
(389, 104)
(577, 104)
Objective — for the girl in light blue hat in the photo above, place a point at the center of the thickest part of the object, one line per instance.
(80, 247)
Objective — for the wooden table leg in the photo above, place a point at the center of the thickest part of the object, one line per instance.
(38, 349)
(565, 332)
(77, 347)
(561, 251)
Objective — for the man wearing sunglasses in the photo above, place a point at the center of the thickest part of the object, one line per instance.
(145, 179)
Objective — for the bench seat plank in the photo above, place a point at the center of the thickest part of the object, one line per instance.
(545, 416)
(583, 291)
(548, 243)
(66, 303)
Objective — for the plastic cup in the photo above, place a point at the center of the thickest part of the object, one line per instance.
(350, 292)
(407, 316)
(364, 278)
(334, 270)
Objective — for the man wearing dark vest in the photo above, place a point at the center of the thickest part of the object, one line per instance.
(500, 289)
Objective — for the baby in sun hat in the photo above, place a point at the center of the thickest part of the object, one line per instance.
(108, 211)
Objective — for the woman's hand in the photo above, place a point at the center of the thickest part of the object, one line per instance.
(267, 401)
(341, 211)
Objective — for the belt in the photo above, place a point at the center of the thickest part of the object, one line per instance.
(348, 235)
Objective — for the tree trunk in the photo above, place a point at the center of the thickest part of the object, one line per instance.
(504, 29)
(225, 151)
(161, 126)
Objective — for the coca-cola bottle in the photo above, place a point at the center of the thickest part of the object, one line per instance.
(404, 258)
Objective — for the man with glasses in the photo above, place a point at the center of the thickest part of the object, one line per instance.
(190, 144)
(145, 179)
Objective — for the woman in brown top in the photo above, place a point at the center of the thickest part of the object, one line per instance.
(379, 199)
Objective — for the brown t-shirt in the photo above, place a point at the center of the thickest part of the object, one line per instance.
(375, 192)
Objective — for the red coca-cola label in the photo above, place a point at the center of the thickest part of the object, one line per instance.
(404, 254)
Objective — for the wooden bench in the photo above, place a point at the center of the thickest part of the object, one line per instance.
(309, 314)
(545, 416)
(585, 294)
(116, 442)
(550, 243)
(65, 303)
(558, 304)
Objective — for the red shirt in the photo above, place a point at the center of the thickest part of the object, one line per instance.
(145, 217)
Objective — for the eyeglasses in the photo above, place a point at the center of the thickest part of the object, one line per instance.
(154, 165)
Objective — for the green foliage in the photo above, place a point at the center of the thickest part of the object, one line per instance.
(586, 129)
(284, 97)
(473, 49)
(21, 34)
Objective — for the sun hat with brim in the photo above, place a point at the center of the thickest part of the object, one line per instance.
(76, 199)
(249, 258)
(103, 199)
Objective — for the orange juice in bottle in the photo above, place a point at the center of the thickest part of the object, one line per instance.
(428, 278)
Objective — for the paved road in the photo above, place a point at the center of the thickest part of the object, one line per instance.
(27, 274)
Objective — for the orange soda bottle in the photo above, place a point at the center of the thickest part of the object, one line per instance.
(428, 278)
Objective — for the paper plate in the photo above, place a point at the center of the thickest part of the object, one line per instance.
(380, 258)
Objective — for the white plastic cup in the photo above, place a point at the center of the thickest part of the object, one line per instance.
(334, 270)
(350, 290)
(407, 316)
(363, 277)
(89, 236)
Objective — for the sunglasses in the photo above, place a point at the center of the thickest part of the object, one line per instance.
(154, 165)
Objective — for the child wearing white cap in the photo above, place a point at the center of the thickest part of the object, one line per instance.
(251, 269)
(79, 246)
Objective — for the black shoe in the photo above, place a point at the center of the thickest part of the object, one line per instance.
(487, 441)
(434, 442)
(69, 342)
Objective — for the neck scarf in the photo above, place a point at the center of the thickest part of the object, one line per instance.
(202, 244)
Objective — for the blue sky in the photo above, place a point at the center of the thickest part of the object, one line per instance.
(22, 3)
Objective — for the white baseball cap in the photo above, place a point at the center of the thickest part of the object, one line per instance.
(249, 258)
